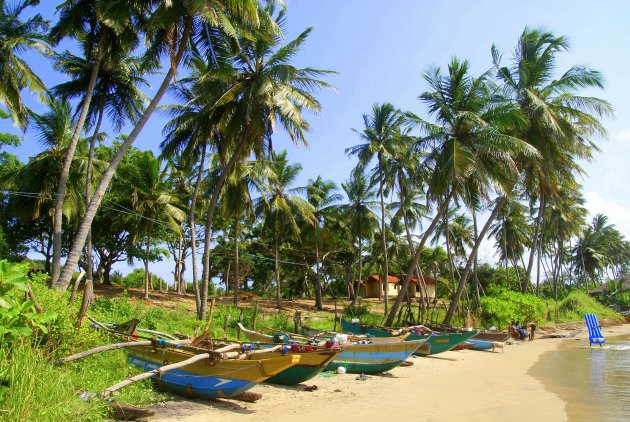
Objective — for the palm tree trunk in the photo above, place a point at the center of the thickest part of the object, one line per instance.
(475, 275)
(464, 277)
(421, 285)
(530, 264)
(358, 290)
(385, 278)
(205, 275)
(277, 268)
(81, 235)
(318, 279)
(236, 272)
(449, 255)
(147, 254)
(67, 162)
(191, 223)
(416, 257)
(88, 193)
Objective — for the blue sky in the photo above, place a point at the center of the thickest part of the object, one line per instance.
(381, 48)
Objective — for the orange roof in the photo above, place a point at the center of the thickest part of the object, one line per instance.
(427, 280)
(390, 278)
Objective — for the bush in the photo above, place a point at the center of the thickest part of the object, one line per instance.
(578, 303)
(135, 279)
(507, 306)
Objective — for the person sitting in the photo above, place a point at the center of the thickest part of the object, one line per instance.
(521, 331)
(532, 330)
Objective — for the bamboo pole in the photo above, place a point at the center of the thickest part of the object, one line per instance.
(335, 323)
(209, 322)
(102, 349)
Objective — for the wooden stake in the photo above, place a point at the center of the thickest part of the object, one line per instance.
(209, 322)
(87, 292)
(335, 323)
(240, 320)
(255, 314)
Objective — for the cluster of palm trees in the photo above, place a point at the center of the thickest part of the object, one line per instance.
(499, 155)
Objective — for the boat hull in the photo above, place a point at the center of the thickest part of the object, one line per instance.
(437, 342)
(480, 344)
(374, 358)
(309, 365)
(208, 379)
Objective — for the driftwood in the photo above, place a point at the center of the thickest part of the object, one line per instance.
(124, 412)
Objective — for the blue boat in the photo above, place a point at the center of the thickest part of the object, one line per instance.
(209, 378)
(480, 344)
(370, 358)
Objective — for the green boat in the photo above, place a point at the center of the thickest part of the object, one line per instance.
(360, 358)
(436, 342)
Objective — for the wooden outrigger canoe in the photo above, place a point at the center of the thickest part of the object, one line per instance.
(435, 342)
(363, 356)
(317, 334)
(358, 358)
(210, 378)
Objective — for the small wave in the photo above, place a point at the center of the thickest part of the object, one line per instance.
(615, 347)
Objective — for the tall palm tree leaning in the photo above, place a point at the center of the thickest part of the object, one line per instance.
(560, 123)
(99, 27)
(19, 36)
(261, 88)
(117, 93)
(380, 137)
(464, 148)
(283, 208)
(175, 25)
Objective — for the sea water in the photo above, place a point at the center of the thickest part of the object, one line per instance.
(593, 381)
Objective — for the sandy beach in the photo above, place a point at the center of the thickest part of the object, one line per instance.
(468, 385)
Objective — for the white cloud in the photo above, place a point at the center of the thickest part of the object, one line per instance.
(623, 135)
(617, 214)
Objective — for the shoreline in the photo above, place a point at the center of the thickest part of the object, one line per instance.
(474, 385)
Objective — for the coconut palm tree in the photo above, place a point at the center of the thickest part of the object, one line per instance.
(260, 89)
(153, 202)
(380, 135)
(560, 123)
(19, 36)
(466, 149)
(323, 197)
(236, 202)
(282, 208)
(359, 216)
(173, 27)
(117, 93)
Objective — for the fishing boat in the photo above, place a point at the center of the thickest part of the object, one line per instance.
(319, 334)
(482, 340)
(359, 356)
(312, 360)
(370, 358)
(435, 342)
(464, 345)
(210, 378)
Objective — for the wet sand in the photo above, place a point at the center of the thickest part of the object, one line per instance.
(469, 385)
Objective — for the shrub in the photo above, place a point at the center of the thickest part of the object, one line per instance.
(506, 306)
(578, 303)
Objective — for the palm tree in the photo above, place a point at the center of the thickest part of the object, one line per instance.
(380, 134)
(359, 216)
(512, 232)
(175, 25)
(282, 208)
(117, 93)
(39, 175)
(258, 90)
(560, 123)
(322, 196)
(236, 202)
(17, 37)
(152, 200)
(466, 149)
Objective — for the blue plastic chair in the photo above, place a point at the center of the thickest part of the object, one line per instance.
(594, 333)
